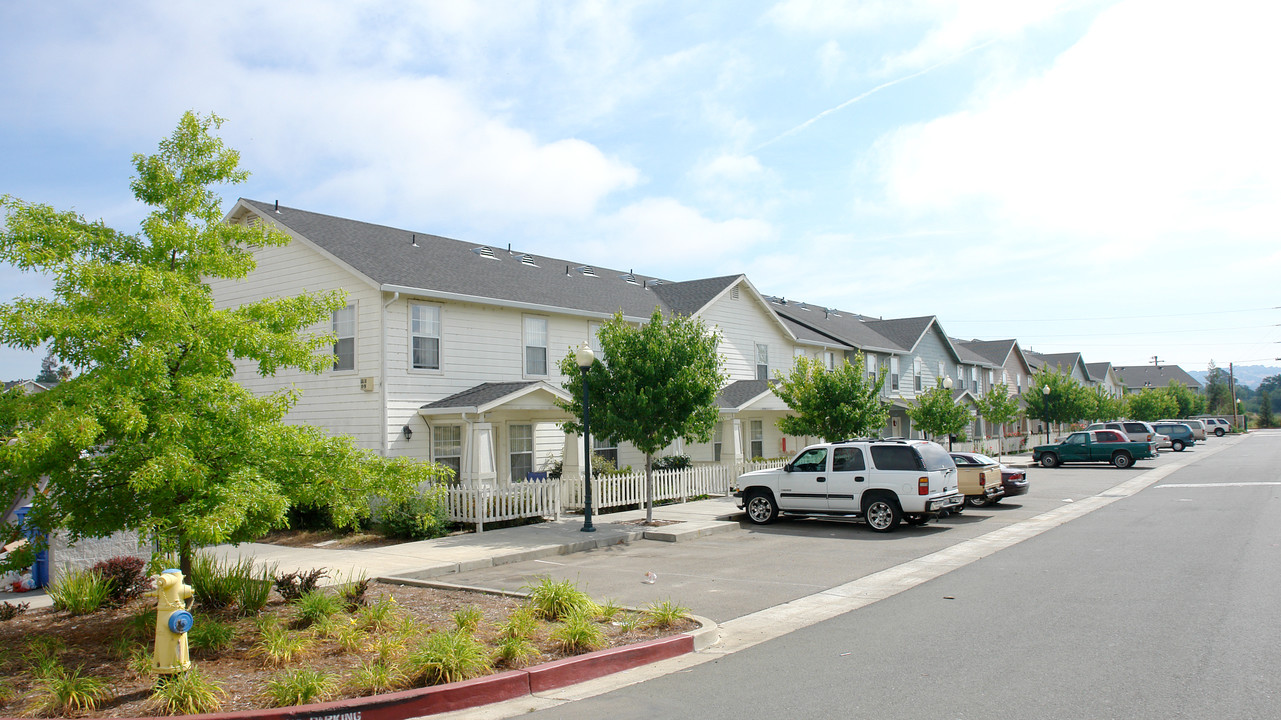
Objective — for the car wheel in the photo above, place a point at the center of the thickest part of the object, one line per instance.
(1218, 432)
(1049, 460)
(882, 514)
(1122, 460)
(977, 500)
(1177, 445)
(761, 508)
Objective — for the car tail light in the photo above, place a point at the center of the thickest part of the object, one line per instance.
(923, 486)
(982, 479)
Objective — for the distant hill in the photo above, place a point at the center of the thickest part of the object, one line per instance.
(1247, 375)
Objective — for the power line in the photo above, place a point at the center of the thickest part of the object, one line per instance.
(1115, 317)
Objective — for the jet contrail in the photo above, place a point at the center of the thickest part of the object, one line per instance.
(874, 90)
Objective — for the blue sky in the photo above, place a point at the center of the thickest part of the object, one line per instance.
(1102, 177)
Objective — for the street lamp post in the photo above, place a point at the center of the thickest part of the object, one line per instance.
(947, 385)
(584, 357)
(1045, 392)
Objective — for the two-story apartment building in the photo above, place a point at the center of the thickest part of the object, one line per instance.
(448, 351)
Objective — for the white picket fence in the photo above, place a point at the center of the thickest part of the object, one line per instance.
(549, 498)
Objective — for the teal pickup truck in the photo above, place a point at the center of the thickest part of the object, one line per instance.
(1094, 446)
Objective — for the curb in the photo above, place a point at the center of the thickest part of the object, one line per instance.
(489, 689)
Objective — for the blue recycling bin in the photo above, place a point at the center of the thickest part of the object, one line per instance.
(40, 569)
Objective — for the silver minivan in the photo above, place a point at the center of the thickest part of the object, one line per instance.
(1135, 430)
(1196, 426)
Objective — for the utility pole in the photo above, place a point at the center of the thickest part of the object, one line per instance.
(1156, 361)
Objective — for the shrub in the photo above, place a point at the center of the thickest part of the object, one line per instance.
(579, 633)
(353, 592)
(522, 623)
(298, 687)
(665, 614)
(379, 616)
(126, 577)
(186, 693)
(79, 592)
(557, 599)
(316, 605)
(515, 651)
(294, 585)
(421, 517)
(672, 462)
(9, 611)
(210, 635)
(446, 657)
(68, 692)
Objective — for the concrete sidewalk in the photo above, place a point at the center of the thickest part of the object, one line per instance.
(424, 559)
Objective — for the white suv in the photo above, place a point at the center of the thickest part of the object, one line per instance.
(1135, 430)
(1216, 425)
(882, 481)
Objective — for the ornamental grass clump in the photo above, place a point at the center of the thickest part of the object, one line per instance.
(665, 614)
(316, 605)
(468, 619)
(446, 657)
(557, 599)
(375, 677)
(279, 645)
(67, 692)
(578, 633)
(299, 687)
(515, 651)
(186, 693)
(211, 636)
(80, 592)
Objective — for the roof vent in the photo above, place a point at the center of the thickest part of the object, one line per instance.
(413, 241)
(485, 251)
(651, 283)
(586, 270)
(528, 259)
(629, 278)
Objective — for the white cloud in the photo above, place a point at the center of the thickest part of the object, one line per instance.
(662, 236)
(1154, 124)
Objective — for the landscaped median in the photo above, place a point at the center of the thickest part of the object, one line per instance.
(489, 689)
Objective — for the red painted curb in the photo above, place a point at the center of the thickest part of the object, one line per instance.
(473, 693)
(559, 673)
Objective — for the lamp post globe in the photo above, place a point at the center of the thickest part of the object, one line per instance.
(1045, 392)
(585, 357)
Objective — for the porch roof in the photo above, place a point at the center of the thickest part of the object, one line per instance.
(492, 395)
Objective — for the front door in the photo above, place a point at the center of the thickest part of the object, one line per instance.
(805, 487)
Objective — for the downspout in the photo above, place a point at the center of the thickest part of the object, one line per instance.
(382, 381)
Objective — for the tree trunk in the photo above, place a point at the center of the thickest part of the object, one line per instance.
(649, 488)
(184, 558)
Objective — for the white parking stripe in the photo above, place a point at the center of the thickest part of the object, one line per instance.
(1217, 485)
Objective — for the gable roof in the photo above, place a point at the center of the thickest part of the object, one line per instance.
(691, 296)
(1058, 360)
(487, 396)
(433, 266)
(1137, 377)
(844, 327)
(996, 352)
(1099, 370)
(742, 393)
(907, 332)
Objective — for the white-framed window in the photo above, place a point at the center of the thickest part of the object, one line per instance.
(756, 442)
(762, 362)
(974, 380)
(344, 324)
(942, 372)
(1019, 387)
(894, 373)
(990, 374)
(447, 447)
(829, 358)
(718, 439)
(520, 451)
(960, 377)
(593, 340)
(424, 336)
(870, 362)
(1005, 378)
(916, 374)
(535, 345)
(606, 448)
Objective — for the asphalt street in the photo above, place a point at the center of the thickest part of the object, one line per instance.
(1161, 603)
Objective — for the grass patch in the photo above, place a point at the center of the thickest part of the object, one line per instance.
(80, 592)
(186, 693)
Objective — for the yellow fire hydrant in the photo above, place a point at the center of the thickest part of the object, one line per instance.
(172, 623)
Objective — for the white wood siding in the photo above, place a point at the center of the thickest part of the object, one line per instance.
(744, 323)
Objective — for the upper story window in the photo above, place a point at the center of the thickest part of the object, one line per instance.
(916, 374)
(974, 380)
(829, 358)
(894, 373)
(535, 346)
(762, 362)
(345, 345)
(870, 361)
(1019, 387)
(424, 334)
(960, 377)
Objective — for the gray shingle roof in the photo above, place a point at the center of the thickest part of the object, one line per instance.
(689, 297)
(1137, 377)
(479, 395)
(1063, 361)
(843, 326)
(994, 351)
(904, 332)
(386, 256)
(739, 393)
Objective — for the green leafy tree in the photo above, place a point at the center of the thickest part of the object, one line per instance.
(1068, 401)
(1266, 418)
(1103, 406)
(999, 407)
(657, 382)
(48, 370)
(154, 435)
(1189, 403)
(832, 404)
(937, 413)
(1218, 391)
(1151, 404)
